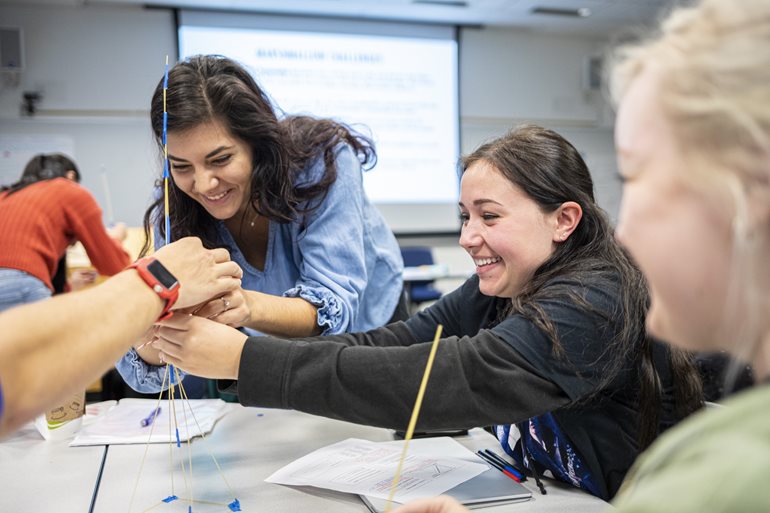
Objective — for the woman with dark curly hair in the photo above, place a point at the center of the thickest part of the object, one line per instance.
(285, 196)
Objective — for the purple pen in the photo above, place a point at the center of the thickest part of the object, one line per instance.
(150, 418)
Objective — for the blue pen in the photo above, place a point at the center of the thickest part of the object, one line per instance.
(499, 467)
(150, 418)
(506, 465)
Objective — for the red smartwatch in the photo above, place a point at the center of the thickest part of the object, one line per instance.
(160, 280)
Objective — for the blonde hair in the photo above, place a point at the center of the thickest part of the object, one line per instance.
(712, 60)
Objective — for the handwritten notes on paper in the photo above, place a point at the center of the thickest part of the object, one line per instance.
(433, 466)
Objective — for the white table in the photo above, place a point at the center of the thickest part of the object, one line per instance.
(250, 444)
(40, 475)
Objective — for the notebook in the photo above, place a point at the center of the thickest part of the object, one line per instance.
(490, 488)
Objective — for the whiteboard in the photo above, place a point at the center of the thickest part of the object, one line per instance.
(396, 83)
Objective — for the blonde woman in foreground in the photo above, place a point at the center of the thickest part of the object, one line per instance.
(693, 140)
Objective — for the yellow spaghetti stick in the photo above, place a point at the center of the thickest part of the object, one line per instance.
(413, 419)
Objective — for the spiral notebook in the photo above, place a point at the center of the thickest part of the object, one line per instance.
(490, 488)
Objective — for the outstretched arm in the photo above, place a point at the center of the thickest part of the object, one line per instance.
(57, 347)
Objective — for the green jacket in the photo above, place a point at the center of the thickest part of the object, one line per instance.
(716, 461)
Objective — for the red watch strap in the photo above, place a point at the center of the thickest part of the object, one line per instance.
(168, 294)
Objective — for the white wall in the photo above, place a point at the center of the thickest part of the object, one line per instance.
(508, 77)
(97, 67)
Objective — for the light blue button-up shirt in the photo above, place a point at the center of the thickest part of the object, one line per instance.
(341, 257)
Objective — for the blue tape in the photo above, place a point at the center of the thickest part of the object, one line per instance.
(178, 443)
(170, 498)
(165, 124)
(235, 505)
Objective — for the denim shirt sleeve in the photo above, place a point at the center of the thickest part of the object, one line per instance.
(333, 271)
(141, 376)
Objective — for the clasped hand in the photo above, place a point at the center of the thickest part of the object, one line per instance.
(199, 346)
(230, 308)
(202, 340)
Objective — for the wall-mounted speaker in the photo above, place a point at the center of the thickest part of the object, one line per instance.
(11, 49)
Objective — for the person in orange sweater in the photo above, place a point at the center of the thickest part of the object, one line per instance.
(40, 215)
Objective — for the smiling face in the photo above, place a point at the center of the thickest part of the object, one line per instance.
(504, 230)
(212, 167)
(680, 236)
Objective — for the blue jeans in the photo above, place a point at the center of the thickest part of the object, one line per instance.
(18, 288)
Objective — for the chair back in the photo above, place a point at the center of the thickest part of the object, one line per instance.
(419, 291)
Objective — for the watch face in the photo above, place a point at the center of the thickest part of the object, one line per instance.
(161, 273)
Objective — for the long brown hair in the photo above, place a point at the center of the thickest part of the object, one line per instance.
(211, 87)
(551, 171)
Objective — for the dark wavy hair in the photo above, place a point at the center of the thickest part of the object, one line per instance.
(43, 167)
(207, 88)
(551, 171)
